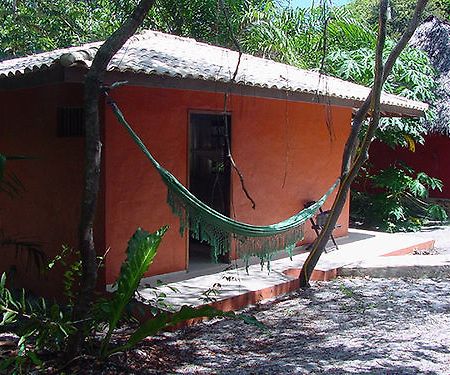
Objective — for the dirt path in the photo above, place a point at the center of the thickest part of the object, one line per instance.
(360, 326)
(346, 326)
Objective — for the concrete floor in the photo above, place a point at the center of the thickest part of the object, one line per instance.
(440, 234)
(232, 287)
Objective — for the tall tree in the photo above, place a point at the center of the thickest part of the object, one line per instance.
(354, 156)
(399, 13)
(93, 146)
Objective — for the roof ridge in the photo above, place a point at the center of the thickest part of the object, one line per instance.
(155, 53)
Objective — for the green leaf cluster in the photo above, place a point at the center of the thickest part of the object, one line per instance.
(72, 271)
(31, 26)
(397, 200)
(45, 326)
(141, 251)
(400, 12)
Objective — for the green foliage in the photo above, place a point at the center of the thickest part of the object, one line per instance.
(400, 12)
(287, 35)
(157, 302)
(72, 271)
(140, 254)
(397, 201)
(46, 326)
(33, 26)
(205, 20)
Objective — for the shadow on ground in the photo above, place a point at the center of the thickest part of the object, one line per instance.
(359, 326)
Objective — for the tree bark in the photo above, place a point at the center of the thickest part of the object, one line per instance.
(93, 146)
(371, 106)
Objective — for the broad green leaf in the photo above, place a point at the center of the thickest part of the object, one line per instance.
(8, 317)
(154, 325)
(34, 358)
(164, 320)
(141, 251)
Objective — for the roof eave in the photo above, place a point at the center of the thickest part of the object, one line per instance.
(76, 74)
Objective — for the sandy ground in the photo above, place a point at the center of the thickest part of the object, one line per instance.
(356, 326)
(346, 326)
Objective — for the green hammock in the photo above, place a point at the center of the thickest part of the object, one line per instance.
(218, 230)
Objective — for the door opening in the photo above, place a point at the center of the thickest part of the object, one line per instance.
(209, 172)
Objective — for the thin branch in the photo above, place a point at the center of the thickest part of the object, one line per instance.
(372, 103)
(362, 112)
(226, 95)
(93, 145)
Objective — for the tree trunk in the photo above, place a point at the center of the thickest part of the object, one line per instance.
(93, 145)
(351, 165)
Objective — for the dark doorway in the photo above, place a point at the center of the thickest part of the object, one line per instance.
(209, 170)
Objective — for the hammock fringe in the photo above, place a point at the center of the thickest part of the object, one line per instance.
(220, 231)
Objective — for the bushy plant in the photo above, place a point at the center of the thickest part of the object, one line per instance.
(43, 326)
(396, 200)
(35, 321)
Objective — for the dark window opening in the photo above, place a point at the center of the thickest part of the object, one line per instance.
(209, 171)
(70, 122)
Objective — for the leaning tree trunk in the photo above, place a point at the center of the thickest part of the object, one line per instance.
(371, 106)
(93, 146)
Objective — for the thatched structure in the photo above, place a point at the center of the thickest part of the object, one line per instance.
(433, 36)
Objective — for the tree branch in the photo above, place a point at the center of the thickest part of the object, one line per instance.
(362, 112)
(93, 145)
(372, 103)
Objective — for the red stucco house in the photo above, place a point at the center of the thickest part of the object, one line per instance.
(288, 129)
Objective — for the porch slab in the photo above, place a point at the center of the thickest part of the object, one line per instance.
(235, 288)
(408, 266)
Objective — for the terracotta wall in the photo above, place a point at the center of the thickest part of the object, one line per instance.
(47, 211)
(433, 158)
(285, 150)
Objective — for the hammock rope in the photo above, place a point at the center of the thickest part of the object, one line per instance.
(218, 230)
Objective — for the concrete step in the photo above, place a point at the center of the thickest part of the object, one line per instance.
(408, 266)
(236, 288)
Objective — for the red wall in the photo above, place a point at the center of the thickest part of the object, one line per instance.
(48, 209)
(284, 150)
(433, 158)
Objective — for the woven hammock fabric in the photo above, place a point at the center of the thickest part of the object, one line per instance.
(218, 230)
